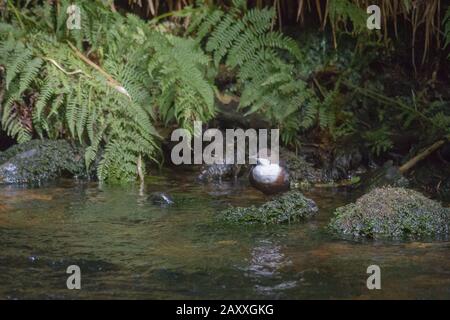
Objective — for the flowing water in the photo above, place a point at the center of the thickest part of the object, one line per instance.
(128, 248)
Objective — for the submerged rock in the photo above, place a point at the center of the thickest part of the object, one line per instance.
(290, 207)
(392, 212)
(223, 188)
(161, 199)
(40, 160)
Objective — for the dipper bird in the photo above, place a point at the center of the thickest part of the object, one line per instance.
(270, 178)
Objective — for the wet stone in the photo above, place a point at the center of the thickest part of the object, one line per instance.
(219, 172)
(40, 160)
(161, 199)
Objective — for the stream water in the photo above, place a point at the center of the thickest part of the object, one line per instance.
(128, 248)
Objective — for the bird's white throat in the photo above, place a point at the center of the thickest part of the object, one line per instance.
(266, 173)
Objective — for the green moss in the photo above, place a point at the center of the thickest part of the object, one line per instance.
(392, 212)
(40, 160)
(301, 173)
(290, 207)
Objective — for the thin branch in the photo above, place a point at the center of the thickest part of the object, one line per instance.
(110, 80)
(63, 70)
(412, 162)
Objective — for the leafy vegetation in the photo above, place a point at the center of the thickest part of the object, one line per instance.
(56, 90)
(302, 87)
(112, 84)
(181, 83)
(243, 40)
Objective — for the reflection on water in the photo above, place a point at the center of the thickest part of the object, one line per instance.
(267, 259)
(128, 248)
(266, 266)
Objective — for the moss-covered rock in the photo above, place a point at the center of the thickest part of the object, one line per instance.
(40, 160)
(301, 172)
(392, 212)
(289, 207)
(219, 172)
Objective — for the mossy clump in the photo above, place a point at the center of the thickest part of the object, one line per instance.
(392, 213)
(40, 160)
(289, 207)
(301, 172)
(219, 172)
